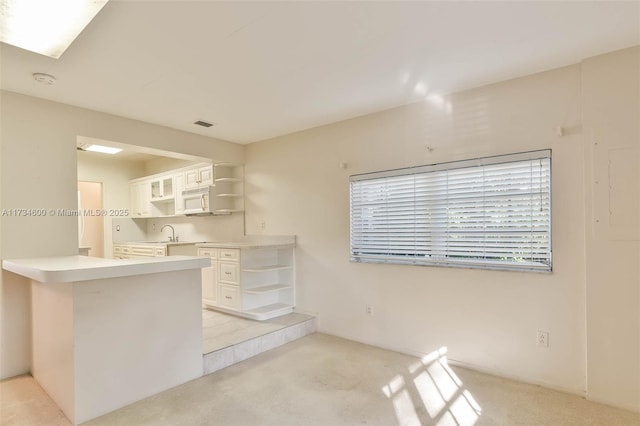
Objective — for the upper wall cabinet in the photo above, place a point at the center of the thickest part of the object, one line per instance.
(162, 188)
(162, 195)
(179, 203)
(140, 196)
(198, 176)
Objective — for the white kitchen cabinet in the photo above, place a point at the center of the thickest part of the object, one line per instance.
(140, 197)
(162, 188)
(209, 277)
(198, 176)
(230, 297)
(256, 282)
(209, 284)
(153, 196)
(229, 187)
(162, 195)
(179, 203)
(138, 250)
(229, 272)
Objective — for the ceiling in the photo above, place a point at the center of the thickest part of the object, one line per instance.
(131, 152)
(263, 69)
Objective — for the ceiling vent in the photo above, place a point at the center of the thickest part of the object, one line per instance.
(203, 123)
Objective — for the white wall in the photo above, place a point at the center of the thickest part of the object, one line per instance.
(486, 319)
(165, 164)
(38, 170)
(611, 110)
(114, 174)
(198, 228)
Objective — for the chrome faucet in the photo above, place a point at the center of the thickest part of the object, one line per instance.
(172, 238)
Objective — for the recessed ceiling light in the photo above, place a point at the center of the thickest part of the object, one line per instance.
(44, 78)
(102, 149)
(203, 123)
(45, 26)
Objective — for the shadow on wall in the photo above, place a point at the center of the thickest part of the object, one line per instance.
(431, 393)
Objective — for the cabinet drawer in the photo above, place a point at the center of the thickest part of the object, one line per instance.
(143, 251)
(229, 254)
(228, 273)
(208, 252)
(229, 296)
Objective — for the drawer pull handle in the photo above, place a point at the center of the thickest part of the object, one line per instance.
(228, 297)
(227, 273)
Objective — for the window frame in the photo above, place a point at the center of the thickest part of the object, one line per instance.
(449, 260)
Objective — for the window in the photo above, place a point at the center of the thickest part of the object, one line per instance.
(491, 213)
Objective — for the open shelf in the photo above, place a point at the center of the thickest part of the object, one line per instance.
(267, 268)
(228, 179)
(229, 192)
(168, 199)
(269, 311)
(268, 289)
(227, 211)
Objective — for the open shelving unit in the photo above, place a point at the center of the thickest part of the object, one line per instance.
(268, 281)
(253, 281)
(229, 188)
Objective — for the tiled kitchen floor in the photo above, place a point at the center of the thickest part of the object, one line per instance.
(221, 330)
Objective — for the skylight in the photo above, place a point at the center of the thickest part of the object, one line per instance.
(46, 27)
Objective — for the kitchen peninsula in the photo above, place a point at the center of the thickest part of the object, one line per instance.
(109, 332)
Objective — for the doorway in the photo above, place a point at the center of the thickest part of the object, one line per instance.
(90, 225)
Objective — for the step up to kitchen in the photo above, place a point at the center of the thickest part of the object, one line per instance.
(235, 353)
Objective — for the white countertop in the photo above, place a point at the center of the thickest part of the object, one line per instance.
(243, 245)
(84, 268)
(158, 243)
(254, 241)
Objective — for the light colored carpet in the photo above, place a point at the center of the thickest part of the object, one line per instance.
(324, 380)
(24, 403)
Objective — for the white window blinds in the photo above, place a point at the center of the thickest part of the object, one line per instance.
(492, 213)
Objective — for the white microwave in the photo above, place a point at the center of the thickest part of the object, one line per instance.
(198, 201)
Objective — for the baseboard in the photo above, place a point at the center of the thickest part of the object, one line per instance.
(469, 366)
(634, 409)
(503, 375)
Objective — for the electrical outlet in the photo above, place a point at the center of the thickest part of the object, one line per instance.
(369, 310)
(263, 225)
(154, 226)
(542, 339)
